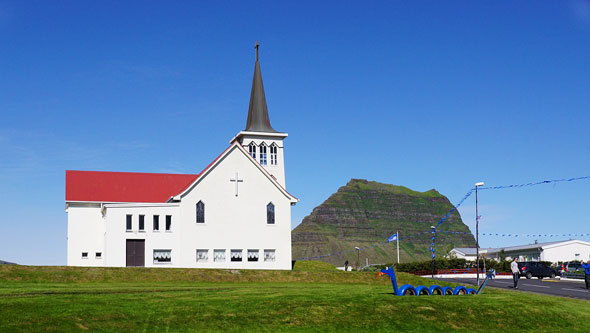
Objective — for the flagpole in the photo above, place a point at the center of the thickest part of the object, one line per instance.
(397, 233)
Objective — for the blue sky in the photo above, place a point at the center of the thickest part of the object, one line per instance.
(421, 94)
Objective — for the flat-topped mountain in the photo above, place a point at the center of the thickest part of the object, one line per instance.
(364, 213)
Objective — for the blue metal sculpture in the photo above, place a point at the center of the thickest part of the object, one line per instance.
(407, 289)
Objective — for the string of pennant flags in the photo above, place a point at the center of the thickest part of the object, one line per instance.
(534, 235)
(433, 231)
(536, 183)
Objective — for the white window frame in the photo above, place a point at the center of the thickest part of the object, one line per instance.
(129, 228)
(98, 255)
(217, 251)
(197, 212)
(140, 216)
(84, 256)
(252, 149)
(154, 218)
(161, 262)
(270, 255)
(205, 258)
(167, 229)
(273, 153)
(253, 255)
(235, 251)
(263, 154)
(274, 214)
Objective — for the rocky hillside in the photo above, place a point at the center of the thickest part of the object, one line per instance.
(364, 213)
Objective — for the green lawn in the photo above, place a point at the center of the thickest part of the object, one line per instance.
(313, 297)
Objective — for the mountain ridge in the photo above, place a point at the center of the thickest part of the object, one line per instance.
(364, 213)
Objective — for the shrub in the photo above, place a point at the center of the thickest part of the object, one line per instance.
(454, 263)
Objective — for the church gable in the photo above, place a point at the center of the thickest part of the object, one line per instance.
(227, 172)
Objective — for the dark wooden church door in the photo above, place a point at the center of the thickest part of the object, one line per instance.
(136, 252)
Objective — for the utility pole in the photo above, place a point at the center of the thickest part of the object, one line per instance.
(477, 230)
(397, 233)
(433, 228)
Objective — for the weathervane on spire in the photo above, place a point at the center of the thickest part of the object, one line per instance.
(256, 47)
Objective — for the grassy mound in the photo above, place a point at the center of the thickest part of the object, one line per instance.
(313, 266)
(145, 299)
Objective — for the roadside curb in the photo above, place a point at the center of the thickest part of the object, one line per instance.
(572, 280)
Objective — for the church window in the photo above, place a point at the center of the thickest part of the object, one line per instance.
(200, 212)
(161, 256)
(270, 213)
(236, 255)
(269, 255)
(202, 255)
(129, 223)
(253, 255)
(263, 154)
(84, 255)
(219, 255)
(252, 149)
(273, 154)
(168, 222)
(141, 222)
(156, 222)
(98, 255)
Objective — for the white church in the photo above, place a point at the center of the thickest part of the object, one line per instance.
(236, 213)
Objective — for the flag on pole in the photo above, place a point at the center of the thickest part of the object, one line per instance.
(392, 238)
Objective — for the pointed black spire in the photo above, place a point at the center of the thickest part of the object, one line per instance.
(258, 120)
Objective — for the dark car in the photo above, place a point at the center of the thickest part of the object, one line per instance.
(571, 267)
(536, 269)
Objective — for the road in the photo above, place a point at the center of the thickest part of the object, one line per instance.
(556, 287)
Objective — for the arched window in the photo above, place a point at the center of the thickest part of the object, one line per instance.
(270, 213)
(263, 154)
(200, 212)
(252, 149)
(273, 154)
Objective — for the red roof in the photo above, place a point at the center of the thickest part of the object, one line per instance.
(101, 186)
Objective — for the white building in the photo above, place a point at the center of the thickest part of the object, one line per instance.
(236, 213)
(569, 250)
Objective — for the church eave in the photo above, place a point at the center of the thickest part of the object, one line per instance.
(251, 133)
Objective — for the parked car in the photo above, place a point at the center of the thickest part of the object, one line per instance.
(536, 269)
(571, 267)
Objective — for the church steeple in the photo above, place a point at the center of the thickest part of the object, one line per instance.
(258, 120)
(259, 139)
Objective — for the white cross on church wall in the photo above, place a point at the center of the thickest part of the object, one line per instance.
(237, 181)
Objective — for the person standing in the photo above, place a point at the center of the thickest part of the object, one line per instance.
(586, 272)
(515, 272)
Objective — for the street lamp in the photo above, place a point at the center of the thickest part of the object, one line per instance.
(358, 263)
(477, 230)
(433, 229)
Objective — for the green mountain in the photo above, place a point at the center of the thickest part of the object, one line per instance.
(365, 213)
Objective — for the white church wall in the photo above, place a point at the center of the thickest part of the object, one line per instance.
(85, 235)
(117, 233)
(236, 222)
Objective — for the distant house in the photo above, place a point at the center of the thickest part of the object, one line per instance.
(467, 253)
(567, 250)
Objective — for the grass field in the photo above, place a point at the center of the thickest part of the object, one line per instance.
(312, 297)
